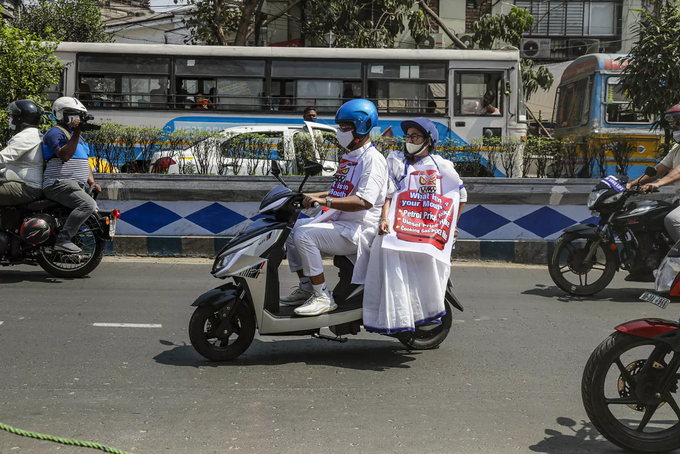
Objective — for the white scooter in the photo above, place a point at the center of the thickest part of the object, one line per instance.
(225, 320)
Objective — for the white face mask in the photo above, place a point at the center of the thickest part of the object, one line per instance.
(345, 138)
(676, 136)
(12, 126)
(416, 149)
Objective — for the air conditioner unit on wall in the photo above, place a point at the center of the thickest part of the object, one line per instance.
(434, 41)
(466, 38)
(535, 48)
(583, 46)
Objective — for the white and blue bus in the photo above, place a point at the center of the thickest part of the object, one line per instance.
(209, 87)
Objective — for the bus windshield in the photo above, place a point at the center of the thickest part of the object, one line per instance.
(573, 103)
(619, 108)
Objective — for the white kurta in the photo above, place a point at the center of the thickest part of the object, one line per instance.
(404, 289)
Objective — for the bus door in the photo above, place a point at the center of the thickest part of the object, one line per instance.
(480, 107)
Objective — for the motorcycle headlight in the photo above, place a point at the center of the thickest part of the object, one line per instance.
(594, 196)
(227, 259)
(612, 199)
(668, 271)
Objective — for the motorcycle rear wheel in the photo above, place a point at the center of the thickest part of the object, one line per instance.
(617, 430)
(429, 335)
(577, 267)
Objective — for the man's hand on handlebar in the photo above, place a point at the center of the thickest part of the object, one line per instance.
(651, 187)
(312, 202)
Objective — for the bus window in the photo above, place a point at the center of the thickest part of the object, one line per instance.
(223, 84)
(619, 108)
(318, 84)
(477, 93)
(127, 80)
(55, 91)
(573, 104)
(408, 88)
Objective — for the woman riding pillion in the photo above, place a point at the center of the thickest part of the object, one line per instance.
(354, 204)
(409, 264)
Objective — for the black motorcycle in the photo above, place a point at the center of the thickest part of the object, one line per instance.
(28, 233)
(630, 236)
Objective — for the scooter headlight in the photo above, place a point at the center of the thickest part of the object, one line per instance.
(594, 197)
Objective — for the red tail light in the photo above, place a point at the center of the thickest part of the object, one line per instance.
(162, 165)
(115, 214)
(675, 288)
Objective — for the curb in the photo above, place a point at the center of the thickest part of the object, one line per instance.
(518, 251)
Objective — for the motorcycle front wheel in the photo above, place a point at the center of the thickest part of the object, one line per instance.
(620, 395)
(572, 273)
(227, 343)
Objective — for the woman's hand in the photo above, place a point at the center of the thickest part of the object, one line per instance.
(384, 227)
(455, 233)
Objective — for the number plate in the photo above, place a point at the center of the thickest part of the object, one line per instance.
(656, 300)
(112, 227)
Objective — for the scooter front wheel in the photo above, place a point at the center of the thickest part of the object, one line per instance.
(429, 335)
(219, 341)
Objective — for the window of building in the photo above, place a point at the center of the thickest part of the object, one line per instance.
(408, 88)
(572, 18)
(478, 93)
(573, 104)
(618, 106)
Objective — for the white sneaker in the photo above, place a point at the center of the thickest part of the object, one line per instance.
(298, 297)
(317, 305)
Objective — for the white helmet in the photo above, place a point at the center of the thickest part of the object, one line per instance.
(67, 105)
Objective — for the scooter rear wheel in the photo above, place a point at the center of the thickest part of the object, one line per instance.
(429, 335)
(221, 346)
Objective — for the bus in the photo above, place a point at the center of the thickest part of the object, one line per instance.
(590, 106)
(214, 88)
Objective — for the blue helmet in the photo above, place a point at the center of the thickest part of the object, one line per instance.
(423, 125)
(360, 112)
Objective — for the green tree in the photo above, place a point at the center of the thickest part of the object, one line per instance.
(210, 22)
(27, 67)
(508, 28)
(361, 23)
(66, 20)
(652, 76)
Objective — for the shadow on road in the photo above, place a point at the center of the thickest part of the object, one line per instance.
(375, 355)
(574, 437)
(14, 277)
(617, 295)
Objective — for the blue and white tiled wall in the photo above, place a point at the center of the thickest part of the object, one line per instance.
(484, 222)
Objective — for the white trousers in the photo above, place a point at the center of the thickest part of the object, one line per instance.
(672, 223)
(307, 241)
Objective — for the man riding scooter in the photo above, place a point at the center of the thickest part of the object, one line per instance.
(354, 203)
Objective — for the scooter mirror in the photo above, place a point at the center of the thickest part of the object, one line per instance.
(650, 171)
(276, 168)
(312, 168)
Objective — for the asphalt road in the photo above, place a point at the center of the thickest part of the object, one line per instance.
(507, 380)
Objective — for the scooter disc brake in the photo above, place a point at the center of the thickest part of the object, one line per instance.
(634, 368)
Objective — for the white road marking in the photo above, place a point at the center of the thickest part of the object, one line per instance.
(1, 322)
(128, 325)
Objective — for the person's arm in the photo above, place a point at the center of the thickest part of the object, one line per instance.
(90, 180)
(349, 204)
(10, 154)
(661, 171)
(67, 151)
(385, 221)
(668, 178)
(319, 195)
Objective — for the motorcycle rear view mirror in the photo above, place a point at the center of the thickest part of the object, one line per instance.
(650, 171)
